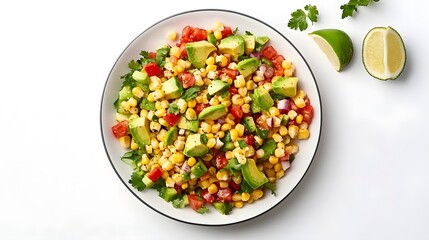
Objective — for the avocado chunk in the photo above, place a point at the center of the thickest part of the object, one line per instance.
(213, 112)
(223, 207)
(191, 125)
(141, 77)
(233, 45)
(263, 98)
(217, 86)
(139, 128)
(171, 135)
(269, 147)
(168, 193)
(249, 44)
(249, 124)
(194, 147)
(260, 42)
(125, 93)
(172, 88)
(285, 86)
(252, 175)
(198, 52)
(198, 169)
(248, 66)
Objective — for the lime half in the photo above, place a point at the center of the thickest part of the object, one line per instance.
(383, 53)
(336, 45)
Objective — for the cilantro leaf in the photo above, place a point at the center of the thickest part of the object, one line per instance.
(137, 181)
(191, 93)
(134, 65)
(161, 54)
(349, 8)
(299, 17)
(272, 187)
(202, 209)
(173, 109)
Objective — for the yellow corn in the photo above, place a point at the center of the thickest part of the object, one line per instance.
(214, 101)
(210, 61)
(270, 172)
(177, 157)
(280, 174)
(283, 130)
(223, 184)
(220, 134)
(236, 197)
(211, 68)
(221, 60)
(234, 134)
(293, 131)
(242, 91)
(158, 94)
(274, 111)
(286, 64)
(273, 159)
(245, 108)
(184, 185)
(167, 166)
(237, 100)
(299, 102)
(279, 153)
(217, 34)
(206, 127)
(125, 141)
(145, 159)
(277, 138)
(222, 175)
(134, 111)
(278, 167)
(299, 118)
(155, 83)
(172, 36)
(204, 184)
(134, 145)
(240, 129)
(260, 153)
(160, 113)
(212, 189)
(175, 51)
(303, 134)
(155, 126)
(238, 204)
(292, 114)
(178, 69)
(257, 78)
(229, 155)
(240, 82)
(190, 114)
(245, 196)
(191, 161)
(211, 142)
(257, 193)
(137, 92)
(154, 143)
(225, 127)
(250, 85)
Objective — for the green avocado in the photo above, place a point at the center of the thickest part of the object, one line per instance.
(252, 175)
(260, 42)
(233, 45)
(285, 86)
(198, 169)
(191, 125)
(171, 135)
(217, 86)
(139, 128)
(141, 77)
(168, 193)
(198, 52)
(194, 147)
(213, 112)
(249, 124)
(248, 66)
(172, 88)
(249, 44)
(263, 99)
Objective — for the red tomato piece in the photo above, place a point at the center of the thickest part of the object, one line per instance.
(171, 119)
(269, 52)
(224, 195)
(221, 161)
(236, 112)
(229, 72)
(152, 55)
(200, 107)
(198, 34)
(249, 140)
(279, 71)
(233, 90)
(277, 61)
(207, 196)
(152, 69)
(195, 202)
(226, 32)
(307, 113)
(155, 174)
(186, 34)
(120, 129)
(187, 79)
(234, 185)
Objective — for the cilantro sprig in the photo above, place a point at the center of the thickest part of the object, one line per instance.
(351, 7)
(299, 17)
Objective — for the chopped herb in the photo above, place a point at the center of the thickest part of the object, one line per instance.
(191, 93)
(173, 109)
(299, 17)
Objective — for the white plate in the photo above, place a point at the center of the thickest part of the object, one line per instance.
(156, 36)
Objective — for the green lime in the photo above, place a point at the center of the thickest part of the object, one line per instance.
(383, 53)
(336, 45)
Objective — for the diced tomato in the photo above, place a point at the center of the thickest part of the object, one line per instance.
(171, 119)
(186, 34)
(249, 140)
(195, 202)
(269, 52)
(292, 105)
(229, 72)
(207, 196)
(307, 113)
(155, 174)
(198, 34)
(221, 161)
(236, 112)
(152, 69)
(233, 90)
(277, 61)
(200, 107)
(187, 79)
(182, 49)
(152, 55)
(226, 32)
(120, 129)
(178, 188)
(279, 71)
(234, 185)
(224, 195)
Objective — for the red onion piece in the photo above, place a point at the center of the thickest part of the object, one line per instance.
(270, 122)
(283, 106)
(269, 73)
(255, 54)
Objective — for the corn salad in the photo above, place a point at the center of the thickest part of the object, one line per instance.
(208, 129)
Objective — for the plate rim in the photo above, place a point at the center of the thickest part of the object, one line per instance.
(230, 12)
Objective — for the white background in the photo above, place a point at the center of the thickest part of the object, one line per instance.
(369, 179)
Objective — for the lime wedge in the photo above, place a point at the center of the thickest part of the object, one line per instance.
(383, 53)
(336, 45)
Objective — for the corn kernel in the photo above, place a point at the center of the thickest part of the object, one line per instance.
(280, 174)
(211, 68)
(270, 172)
(158, 94)
(278, 167)
(184, 185)
(299, 102)
(283, 130)
(236, 197)
(242, 91)
(134, 145)
(172, 36)
(205, 127)
(293, 131)
(240, 129)
(145, 159)
(273, 159)
(211, 142)
(250, 85)
(274, 111)
(155, 126)
(257, 194)
(229, 155)
(219, 134)
(214, 101)
(155, 83)
(160, 113)
(279, 153)
(245, 196)
(299, 118)
(225, 127)
(238, 204)
(260, 153)
(277, 138)
(237, 100)
(134, 111)
(267, 86)
(205, 184)
(222, 175)
(217, 34)
(240, 82)
(303, 134)
(175, 51)
(245, 108)
(190, 114)
(223, 184)
(191, 161)
(221, 60)
(125, 141)
(210, 61)
(192, 103)
(137, 92)
(259, 140)
(292, 114)
(212, 189)
(234, 134)
(258, 78)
